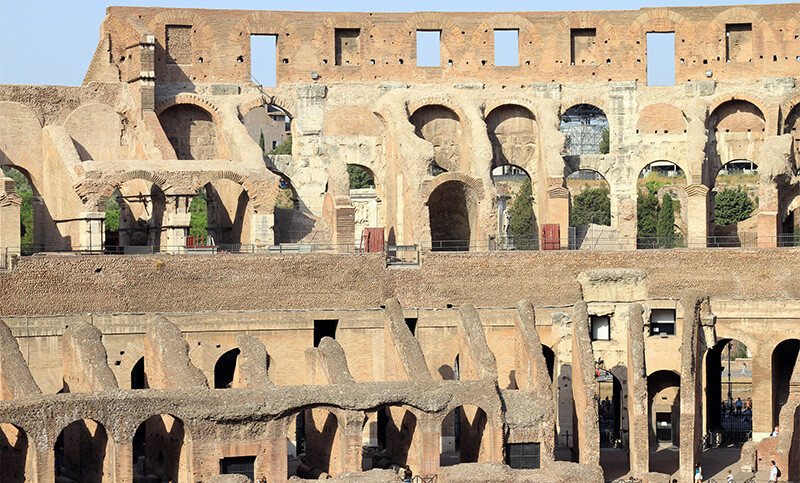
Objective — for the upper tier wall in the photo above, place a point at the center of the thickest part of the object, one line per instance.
(214, 45)
(54, 285)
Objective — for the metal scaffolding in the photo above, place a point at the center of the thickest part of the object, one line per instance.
(583, 125)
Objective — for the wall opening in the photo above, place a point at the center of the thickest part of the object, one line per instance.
(323, 440)
(739, 42)
(346, 46)
(13, 454)
(264, 60)
(141, 211)
(238, 465)
(449, 217)
(586, 129)
(466, 424)
(663, 393)
(429, 48)
(582, 46)
(191, 130)
(661, 58)
(411, 323)
(225, 369)
(324, 328)
(440, 126)
(158, 449)
(271, 127)
(523, 456)
(662, 322)
(729, 392)
(80, 452)
(600, 327)
(506, 47)
(784, 358)
(138, 376)
(27, 212)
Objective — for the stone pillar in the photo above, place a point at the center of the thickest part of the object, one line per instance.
(45, 463)
(430, 445)
(697, 215)
(10, 202)
(767, 218)
(558, 208)
(624, 219)
(762, 392)
(351, 444)
(176, 229)
(123, 462)
(274, 466)
(262, 229)
(92, 230)
(638, 422)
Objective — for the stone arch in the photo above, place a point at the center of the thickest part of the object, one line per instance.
(736, 130)
(667, 384)
(513, 133)
(203, 40)
(266, 23)
(641, 163)
(260, 196)
(582, 125)
(187, 98)
(782, 361)
(162, 443)
(186, 124)
(756, 101)
(452, 206)
(147, 195)
(283, 103)
(444, 129)
(83, 451)
(661, 118)
(95, 130)
(15, 454)
(20, 138)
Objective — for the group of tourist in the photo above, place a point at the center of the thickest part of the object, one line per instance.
(738, 408)
(774, 474)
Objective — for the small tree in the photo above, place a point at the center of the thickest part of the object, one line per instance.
(732, 206)
(605, 142)
(592, 206)
(647, 215)
(198, 223)
(285, 147)
(666, 222)
(520, 218)
(261, 142)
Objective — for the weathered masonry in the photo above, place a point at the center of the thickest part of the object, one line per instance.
(142, 357)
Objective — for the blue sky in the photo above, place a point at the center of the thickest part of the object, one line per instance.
(57, 48)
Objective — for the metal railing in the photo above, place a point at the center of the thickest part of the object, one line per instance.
(3, 258)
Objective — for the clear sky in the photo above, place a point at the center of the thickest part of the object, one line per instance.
(52, 42)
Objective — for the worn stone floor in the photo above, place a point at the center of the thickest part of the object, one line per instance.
(716, 463)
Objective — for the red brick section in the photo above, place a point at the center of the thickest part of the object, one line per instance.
(51, 285)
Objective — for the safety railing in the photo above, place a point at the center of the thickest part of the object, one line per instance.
(3, 258)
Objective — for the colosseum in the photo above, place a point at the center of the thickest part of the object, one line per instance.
(424, 241)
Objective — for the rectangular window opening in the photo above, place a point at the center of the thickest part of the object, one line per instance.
(601, 327)
(506, 47)
(411, 322)
(264, 60)
(429, 49)
(739, 42)
(523, 456)
(662, 322)
(582, 46)
(238, 465)
(324, 328)
(661, 58)
(346, 46)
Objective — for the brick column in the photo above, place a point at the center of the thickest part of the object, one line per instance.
(45, 464)
(428, 455)
(762, 391)
(273, 464)
(351, 449)
(123, 462)
(557, 206)
(10, 202)
(768, 221)
(697, 224)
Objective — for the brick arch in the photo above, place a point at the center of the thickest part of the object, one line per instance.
(123, 32)
(739, 14)
(256, 194)
(529, 37)
(584, 20)
(284, 103)
(429, 186)
(187, 98)
(656, 20)
(663, 116)
(154, 178)
(452, 40)
(644, 161)
(788, 105)
(266, 23)
(752, 99)
(792, 28)
(349, 20)
(591, 100)
(180, 16)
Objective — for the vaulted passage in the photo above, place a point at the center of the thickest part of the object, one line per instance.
(158, 449)
(81, 452)
(13, 454)
(449, 217)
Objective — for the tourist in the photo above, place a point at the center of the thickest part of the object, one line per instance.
(730, 477)
(738, 406)
(749, 404)
(407, 475)
(698, 472)
(744, 369)
(774, 472)
(775, 431)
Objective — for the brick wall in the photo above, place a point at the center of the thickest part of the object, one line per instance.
(50, 285)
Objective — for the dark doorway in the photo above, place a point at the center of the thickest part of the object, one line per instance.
(449, 217)
(225, 369)
(138, 377)
(324, 328)
(783, 360)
